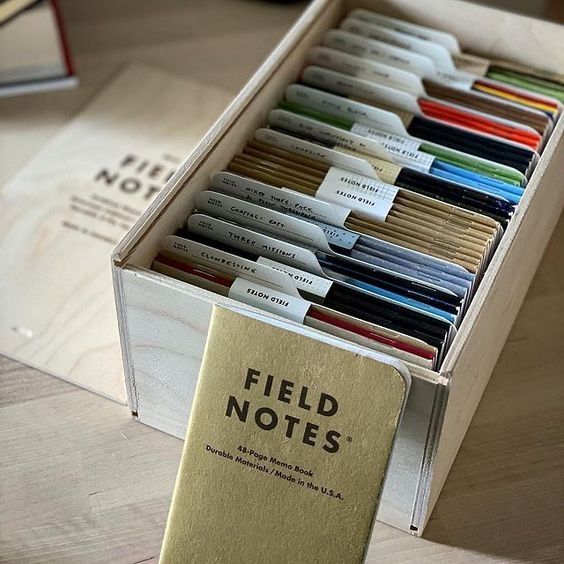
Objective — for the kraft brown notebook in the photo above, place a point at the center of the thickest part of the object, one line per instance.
(287, 447)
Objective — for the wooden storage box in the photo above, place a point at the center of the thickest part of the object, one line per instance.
(164, 322)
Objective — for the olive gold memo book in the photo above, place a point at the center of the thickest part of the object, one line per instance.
(287, 447)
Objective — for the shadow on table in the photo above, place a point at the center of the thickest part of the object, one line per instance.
(505, 494)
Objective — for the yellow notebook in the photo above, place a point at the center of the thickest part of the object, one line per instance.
(287, 447)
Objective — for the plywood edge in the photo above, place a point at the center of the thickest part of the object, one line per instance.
(246, 96)
(425, 504)
(125, 340)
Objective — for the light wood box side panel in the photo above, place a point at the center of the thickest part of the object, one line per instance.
(479, 350)
(167, 330)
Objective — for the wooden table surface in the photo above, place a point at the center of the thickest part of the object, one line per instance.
(81, 482)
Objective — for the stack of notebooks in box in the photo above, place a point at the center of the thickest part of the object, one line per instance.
(371, 203)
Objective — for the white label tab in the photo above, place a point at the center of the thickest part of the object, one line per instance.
(437, 53)
(345, 85)
(199, 253)
(316, 285)
(361, 194)
(345, 108)
(265, 219)
(313, 151)
(287, 201)
(269, 300)
(363, 47)
(327, 133)
(449, 41)
(255, 243)
(374, 71)
(404, 149)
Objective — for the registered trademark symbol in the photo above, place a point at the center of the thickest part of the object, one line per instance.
(349, 439)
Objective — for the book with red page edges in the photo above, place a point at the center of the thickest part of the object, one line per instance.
(34, 50)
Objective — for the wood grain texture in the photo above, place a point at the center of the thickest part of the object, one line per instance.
(495, 305)
(83, 482)
(80, 481)
(63, 213)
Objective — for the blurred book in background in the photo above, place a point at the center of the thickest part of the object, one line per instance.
(34, 54)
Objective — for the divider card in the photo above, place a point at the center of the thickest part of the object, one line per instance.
(519, 75)
(447, 40)
(289, 436)
(447, 71)
(501, 196)
(452, 166)
(437, 228)
(467, 120)
(288, 201)
(464, 231)
(307, 149)
(483, 146)
(269, 274)
(420, 265)
(346, 268)
(370, 49)
(392, 131)
(434, 51)
(345, 296)
(387, 75)
(362, 68)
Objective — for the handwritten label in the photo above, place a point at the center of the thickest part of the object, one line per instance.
(314, 151)
(253, 242)
(345, 85)
(363, 68)
(199, 253)
(287, 201)
(363, 47)
(327, 133)
(266, 219)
